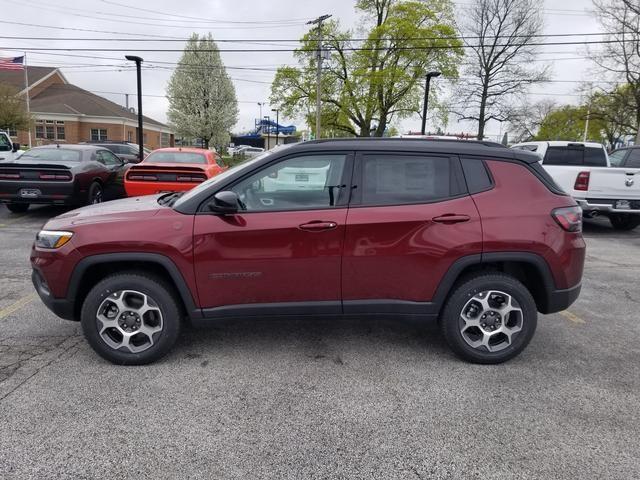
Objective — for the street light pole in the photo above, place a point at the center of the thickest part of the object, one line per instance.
(268, 133)
(426, 99)
(318, 21)
(138, 61)
(260, 106)
(277, 123)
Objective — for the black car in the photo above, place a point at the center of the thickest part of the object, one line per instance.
(124, 150)
(628, 157)
(61, 175)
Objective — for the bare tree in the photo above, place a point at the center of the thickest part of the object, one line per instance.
(621, 57)
(525, 120)
(499, 34)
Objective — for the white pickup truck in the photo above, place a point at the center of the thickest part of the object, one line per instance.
(582, 170)
(8, 150)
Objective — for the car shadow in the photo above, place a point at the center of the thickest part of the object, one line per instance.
(600, 226)
(314, 337)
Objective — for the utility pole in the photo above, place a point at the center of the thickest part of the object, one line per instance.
(318, 21)
(586, 124)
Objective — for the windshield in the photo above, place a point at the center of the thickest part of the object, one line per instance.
(176, 157)
(220, 178)
(52, 155)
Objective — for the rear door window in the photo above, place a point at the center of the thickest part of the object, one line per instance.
(398, 179)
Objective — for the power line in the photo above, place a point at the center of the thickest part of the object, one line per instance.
(273, 50)
(253, 40)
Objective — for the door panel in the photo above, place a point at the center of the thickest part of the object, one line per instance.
(285, 243)
(401, 253)
(410, 219)
(266, 257)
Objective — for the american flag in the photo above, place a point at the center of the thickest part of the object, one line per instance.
(12, 63)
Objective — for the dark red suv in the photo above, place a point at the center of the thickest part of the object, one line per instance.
(472, 234)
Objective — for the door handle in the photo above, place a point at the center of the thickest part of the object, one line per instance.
(318, 226)
(449, 218)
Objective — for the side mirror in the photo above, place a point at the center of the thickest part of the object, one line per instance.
(16, 147)
(224, 202)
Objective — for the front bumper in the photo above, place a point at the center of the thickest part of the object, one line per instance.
(60, 306)
(606, 205)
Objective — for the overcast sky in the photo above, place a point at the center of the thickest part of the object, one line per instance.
(237, 19)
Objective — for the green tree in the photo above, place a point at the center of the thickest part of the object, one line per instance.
(616, 112)
(567, 123)
(371, 79)
(13, 109)
(202, 99)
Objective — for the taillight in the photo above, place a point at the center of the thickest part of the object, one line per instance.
(54, 176)
(9, 176)
(191, 178)
(569, 218)
(582, 181)
(152, 178)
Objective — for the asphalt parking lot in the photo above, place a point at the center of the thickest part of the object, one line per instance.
(330, 398)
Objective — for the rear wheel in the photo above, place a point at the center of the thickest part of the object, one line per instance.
(95, 194)
(624, 221)
(18, 207)
(490, 318)
(131, 319)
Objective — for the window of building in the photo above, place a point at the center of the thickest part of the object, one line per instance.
(98, 134)
(60, 132)
(165, 139)
(50, 132)
(12, 132)
(39, 131)
(144, 138)
(50, 122)
(129, 136)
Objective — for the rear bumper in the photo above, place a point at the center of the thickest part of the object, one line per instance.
(138, 189)
(559, 300)
(51, 193)
(607, 205)
(60, 306)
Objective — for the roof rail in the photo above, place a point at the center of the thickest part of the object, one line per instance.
(485, 143)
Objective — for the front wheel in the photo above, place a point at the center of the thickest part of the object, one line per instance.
(490, 318)
(18, 207)
(624, 221)
(131, 319)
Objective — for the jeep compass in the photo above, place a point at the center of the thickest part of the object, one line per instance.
(471, 234)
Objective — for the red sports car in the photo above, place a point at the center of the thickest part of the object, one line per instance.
(172, 170)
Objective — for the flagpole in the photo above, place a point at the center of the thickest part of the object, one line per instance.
(26, 83)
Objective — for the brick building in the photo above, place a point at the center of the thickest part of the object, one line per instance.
(64, 113)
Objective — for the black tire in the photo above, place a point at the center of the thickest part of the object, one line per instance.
(450, 321)
(95, 194)
(18, 207)
(163, 296)
(624, 221)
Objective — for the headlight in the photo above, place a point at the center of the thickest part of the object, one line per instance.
(52, 239)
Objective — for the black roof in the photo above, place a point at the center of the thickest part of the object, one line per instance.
(419, 145)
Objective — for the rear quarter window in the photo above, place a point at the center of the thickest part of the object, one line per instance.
(476, 175)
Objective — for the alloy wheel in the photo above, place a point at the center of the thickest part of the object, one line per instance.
(129, 320)
(490, 320)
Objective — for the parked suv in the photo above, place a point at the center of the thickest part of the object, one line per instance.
(474, 235)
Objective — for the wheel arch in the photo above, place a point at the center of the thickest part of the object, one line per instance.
(529, 268)
(90, 270)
